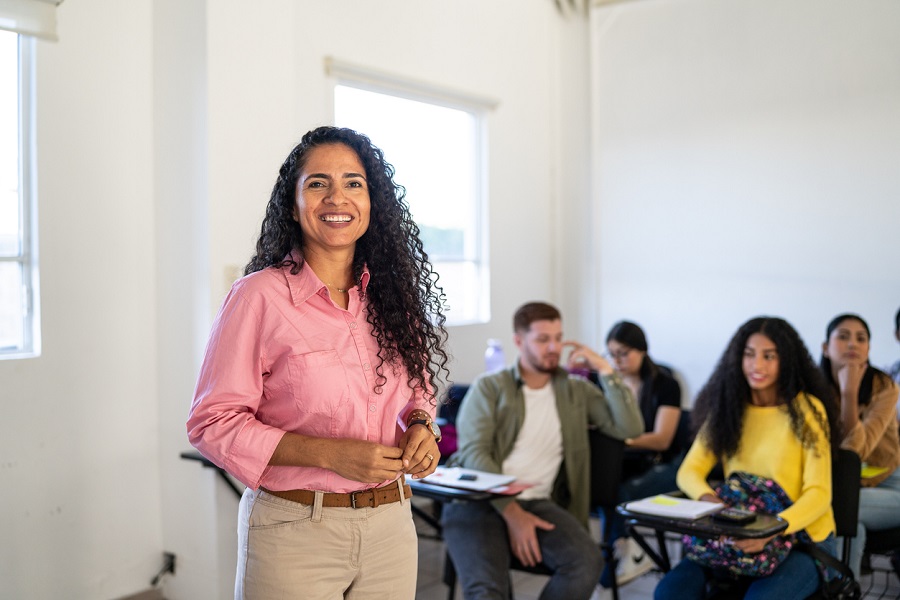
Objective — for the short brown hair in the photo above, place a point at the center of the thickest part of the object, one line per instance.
(534, 311)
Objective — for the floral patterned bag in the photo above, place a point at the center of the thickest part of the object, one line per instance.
(756, 494)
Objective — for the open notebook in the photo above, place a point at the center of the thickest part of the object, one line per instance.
(468, 479)
(670, 506)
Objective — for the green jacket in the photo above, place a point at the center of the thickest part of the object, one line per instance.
(491, 415)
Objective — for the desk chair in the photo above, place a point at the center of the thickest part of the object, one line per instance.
(607, 455)
(446, 418)
(845, 505)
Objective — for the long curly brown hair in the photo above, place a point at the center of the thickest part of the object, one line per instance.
(720, 405)
(405, 302)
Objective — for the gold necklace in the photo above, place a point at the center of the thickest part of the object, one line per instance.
(341, 290)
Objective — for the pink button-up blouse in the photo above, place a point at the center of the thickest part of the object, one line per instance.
(282, 356)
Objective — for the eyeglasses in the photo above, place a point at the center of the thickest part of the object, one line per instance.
(620, 355)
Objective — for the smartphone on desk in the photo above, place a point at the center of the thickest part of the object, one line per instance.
(734, 516)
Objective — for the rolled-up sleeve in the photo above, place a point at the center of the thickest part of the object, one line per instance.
(222, 423)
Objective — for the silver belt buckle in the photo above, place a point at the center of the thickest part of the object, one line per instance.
(353, 498)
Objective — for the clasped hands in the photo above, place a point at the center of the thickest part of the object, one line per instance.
(416, 455)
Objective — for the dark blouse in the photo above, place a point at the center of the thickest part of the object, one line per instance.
(665, 391)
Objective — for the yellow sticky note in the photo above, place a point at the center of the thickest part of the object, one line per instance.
(665, 500)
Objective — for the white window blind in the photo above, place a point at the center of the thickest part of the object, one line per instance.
(30, 17)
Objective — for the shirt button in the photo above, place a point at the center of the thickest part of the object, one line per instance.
(366, 366)
(353, 325)
(371, 408)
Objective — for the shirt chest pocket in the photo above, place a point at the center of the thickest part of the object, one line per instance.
(320, 389)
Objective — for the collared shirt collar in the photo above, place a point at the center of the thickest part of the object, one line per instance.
(306, 283)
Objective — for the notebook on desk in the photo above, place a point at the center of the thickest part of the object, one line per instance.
(677, 508)
(468, 479)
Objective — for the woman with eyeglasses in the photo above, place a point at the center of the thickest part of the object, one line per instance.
(652, 458)
(868, 422)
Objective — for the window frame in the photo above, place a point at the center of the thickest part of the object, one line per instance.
(362, 78)
(27, 256)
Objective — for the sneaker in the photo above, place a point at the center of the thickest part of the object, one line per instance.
(632, 561)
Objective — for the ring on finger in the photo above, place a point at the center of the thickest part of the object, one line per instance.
(430, 457)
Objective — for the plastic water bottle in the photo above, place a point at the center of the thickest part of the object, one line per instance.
(494, 359)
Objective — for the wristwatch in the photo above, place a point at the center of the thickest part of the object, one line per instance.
(429, 424)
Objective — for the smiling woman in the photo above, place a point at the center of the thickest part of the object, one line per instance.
(332, 208)
(317, 389)
(765, 412)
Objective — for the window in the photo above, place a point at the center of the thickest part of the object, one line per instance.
(19, 320)
(435, 144)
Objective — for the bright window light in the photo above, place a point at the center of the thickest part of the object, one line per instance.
(18, 282)
(437, 152)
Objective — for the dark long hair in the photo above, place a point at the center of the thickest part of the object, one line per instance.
(405, 303)
(865, 386)
(631, 335)
(721, 404)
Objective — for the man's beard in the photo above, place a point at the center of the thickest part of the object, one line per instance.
(540, 365)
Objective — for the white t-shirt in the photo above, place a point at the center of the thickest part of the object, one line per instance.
(538, 452)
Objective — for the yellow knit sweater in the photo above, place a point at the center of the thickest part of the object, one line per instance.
(769, 448)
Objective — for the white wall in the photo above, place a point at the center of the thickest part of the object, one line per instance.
(80, 429)
(745, 162)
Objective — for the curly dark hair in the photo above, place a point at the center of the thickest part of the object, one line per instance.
(720, 406)
(405, 303)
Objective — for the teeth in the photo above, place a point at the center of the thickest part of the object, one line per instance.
(336, 218)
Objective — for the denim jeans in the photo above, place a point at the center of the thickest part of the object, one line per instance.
(879, 508)
(477, 539)
(795, 578)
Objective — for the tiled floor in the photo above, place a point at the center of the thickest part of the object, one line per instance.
(882, 584)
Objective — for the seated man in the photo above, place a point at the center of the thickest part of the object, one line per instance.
(530, 420)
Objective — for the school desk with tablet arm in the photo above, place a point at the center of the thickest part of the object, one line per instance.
(671, 513)
(456, 484)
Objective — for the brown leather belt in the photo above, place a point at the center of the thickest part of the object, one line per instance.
(361, 499)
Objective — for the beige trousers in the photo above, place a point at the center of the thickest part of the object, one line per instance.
(289, 550)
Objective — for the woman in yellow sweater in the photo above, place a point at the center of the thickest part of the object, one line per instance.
(869, 425)
(766, 410)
